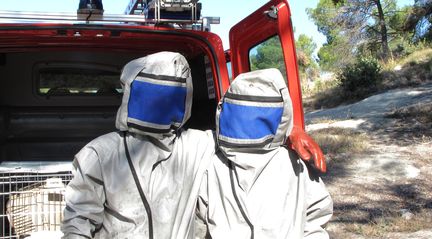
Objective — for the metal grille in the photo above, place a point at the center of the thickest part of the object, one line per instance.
(32, 203)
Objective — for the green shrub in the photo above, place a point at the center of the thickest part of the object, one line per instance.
(361, 78)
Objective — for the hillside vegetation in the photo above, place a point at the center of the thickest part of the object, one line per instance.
(367, 77)
(367, 94)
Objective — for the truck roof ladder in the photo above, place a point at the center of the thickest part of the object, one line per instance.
(179, 13)
(136, 7)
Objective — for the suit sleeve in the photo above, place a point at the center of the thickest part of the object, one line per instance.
(319, 209)
(85, 197)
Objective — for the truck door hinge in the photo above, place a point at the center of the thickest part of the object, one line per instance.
(272, 13)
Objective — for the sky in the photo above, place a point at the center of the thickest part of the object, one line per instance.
(229, 11)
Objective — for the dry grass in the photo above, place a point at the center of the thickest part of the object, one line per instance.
(392, 222)
(417, 57)
(325, 99)
(322, 120)
(415, 69)
(421, 113)
(413, 123)
(337, 141)
(378, 208)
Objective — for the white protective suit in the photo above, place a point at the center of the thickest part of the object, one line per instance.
(103, 200)
(255, 187)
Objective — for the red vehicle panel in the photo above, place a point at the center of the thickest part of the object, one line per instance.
(274, 18)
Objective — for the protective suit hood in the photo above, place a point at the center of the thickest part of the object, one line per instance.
(252, 120)
(255, 113)
(157, 95)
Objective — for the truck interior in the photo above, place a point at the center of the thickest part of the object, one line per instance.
(59, 94)
(53, 102)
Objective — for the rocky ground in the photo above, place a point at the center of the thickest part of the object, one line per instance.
(385, 190)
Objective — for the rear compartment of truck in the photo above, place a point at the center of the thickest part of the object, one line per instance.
(53, 101)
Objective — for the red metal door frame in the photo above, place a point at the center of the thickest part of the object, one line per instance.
(255, 29)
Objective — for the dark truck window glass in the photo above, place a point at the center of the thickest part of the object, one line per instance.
(74, 81)
(268, 54)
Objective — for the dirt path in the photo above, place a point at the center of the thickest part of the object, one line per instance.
(386, 190)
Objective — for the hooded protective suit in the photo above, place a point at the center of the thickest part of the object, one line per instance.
(255, 188)
(151, 155)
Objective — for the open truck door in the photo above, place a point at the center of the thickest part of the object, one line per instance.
(268, 32)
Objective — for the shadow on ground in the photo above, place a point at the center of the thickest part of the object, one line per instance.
(373, 209)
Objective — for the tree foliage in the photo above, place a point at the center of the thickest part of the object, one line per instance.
(337, 42)
(356, 27)
(268, 55)
(419, 20)
(306, 44)
(306, 47)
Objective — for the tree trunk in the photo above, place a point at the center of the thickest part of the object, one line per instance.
(386, 54)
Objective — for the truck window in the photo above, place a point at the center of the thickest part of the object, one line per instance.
(74, 81)
(229, 68)
(268, 54)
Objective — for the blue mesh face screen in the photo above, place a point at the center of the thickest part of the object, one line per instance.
(248, 122)
(158, 104)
